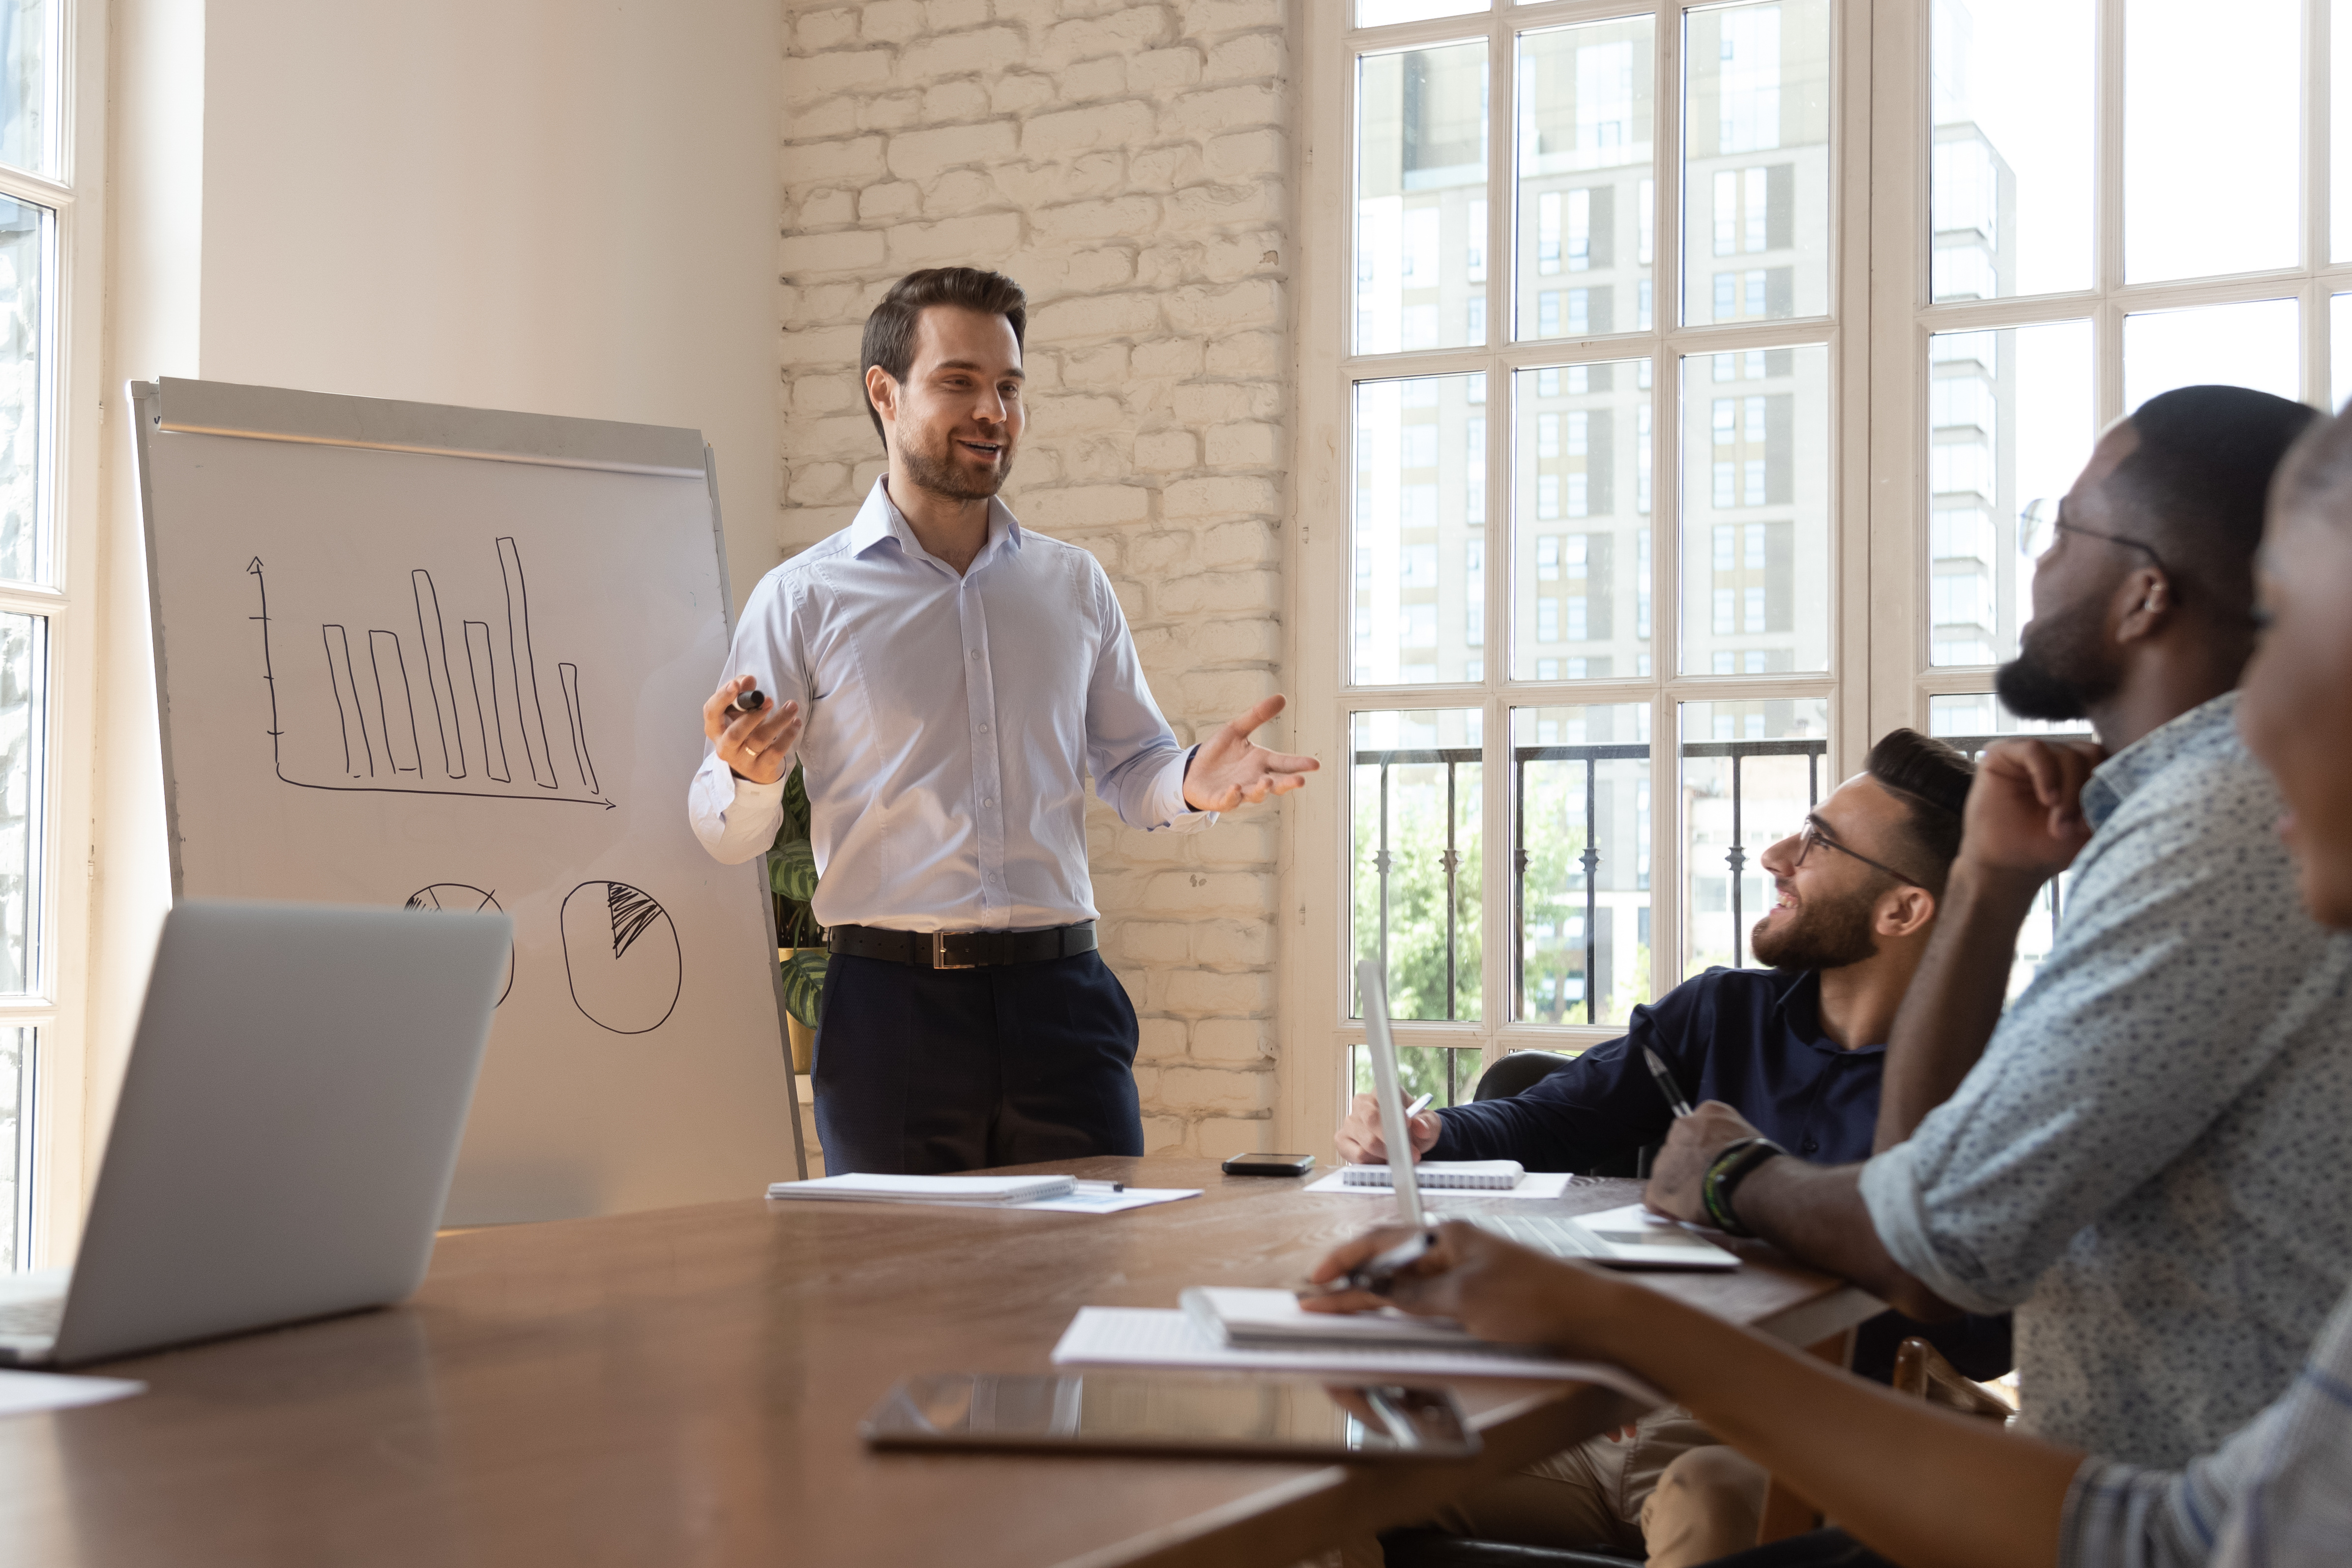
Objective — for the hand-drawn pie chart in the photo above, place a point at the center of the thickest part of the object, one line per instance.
(620, 951)
(464, 898)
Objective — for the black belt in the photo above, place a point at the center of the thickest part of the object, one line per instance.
(962, 949)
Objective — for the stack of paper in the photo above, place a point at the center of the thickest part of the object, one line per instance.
(1500, 1175)
(981, 1190)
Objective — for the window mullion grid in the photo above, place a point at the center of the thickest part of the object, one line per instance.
(2319, 111)
(24, 187)
(2108, 243)
(1496, 914)
(1666, 503)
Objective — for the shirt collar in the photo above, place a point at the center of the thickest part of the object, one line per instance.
(2116, 780)
(1798, 1010)
(880, 518)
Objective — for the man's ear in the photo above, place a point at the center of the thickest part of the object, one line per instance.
(882, 390)
(2147, 603)
(1903, 911)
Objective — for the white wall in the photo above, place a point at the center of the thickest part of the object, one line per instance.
(519, 204)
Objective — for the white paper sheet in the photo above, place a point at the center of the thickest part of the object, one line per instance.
(23, 1393)
(1147, 1336)
(1085, 1201)
(1110, 1202)
(1534, 1184)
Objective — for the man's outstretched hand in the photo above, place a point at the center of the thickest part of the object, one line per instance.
(1231, 768)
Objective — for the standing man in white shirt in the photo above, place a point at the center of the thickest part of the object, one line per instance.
(947, 679)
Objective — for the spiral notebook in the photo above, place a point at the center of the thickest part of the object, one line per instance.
(1493, 1175)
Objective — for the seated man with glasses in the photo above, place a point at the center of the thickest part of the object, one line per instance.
(2144, 1157)
(1798, 1048)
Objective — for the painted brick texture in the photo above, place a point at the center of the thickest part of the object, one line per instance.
(1129, 165)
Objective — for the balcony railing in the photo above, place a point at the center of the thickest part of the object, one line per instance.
(1591, 756)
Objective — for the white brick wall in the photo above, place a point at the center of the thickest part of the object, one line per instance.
(1129, 165)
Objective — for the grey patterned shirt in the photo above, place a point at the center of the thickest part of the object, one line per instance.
(2149, 1160)
(2277, 1495)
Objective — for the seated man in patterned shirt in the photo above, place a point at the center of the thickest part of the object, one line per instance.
(1798, 1048)
(2143, 1157)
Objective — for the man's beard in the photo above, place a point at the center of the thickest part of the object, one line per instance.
(937, 472)
(2064, 666)
(1823, 936)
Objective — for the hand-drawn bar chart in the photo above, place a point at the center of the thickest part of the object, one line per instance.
(439, 705)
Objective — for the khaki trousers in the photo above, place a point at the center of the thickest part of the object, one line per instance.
(1671, 1493)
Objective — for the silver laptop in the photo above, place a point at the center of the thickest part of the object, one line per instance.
(1626, 1241)
(287, 1131)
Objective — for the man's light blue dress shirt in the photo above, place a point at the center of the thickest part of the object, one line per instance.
(952, 722)
(2150, 1162)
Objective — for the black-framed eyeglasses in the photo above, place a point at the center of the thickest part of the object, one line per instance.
(1812, 832)
(2039, 524)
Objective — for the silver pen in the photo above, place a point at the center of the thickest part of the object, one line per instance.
(1674, 1100)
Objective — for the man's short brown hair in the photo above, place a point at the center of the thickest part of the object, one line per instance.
(890, 330)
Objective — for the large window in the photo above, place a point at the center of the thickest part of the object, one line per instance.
(36, 196)
(1684, 370)
(1589, 373)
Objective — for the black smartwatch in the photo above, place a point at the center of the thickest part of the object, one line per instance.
(1724, 1175)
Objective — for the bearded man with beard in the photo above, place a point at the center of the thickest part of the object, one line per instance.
(1798, 1048)
(947, 679)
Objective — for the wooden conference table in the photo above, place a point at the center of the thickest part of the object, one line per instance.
(684, 1387)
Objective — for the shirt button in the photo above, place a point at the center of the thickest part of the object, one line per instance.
(988, 802)
(983, 728)
(975, 653)
(1811, 1144)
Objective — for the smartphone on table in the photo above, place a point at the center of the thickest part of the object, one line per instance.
(1268, 1165)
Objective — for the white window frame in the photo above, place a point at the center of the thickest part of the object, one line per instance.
(75, 410)
(1315, 898)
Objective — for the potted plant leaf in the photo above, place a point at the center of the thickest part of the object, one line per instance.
(792, 877)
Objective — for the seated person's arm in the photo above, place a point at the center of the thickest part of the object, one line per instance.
(1815, 1214)
(1925, 1486)
(1580, 1115)
(2025, 824)
(1601, 1103)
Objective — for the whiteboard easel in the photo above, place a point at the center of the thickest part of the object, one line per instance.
(448, 658)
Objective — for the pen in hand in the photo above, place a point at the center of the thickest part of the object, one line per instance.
(1674, 1100)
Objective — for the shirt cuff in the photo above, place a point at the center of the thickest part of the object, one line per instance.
(1169, 805)
(1898, 1212)
(735, 819)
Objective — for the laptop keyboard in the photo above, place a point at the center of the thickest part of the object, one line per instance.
(32, 1320)
(1543, 1233)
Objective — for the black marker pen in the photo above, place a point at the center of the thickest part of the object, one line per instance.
(752, 702)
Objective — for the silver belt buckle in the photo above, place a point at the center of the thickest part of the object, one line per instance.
(940, 952)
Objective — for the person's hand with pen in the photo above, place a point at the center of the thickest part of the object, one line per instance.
(754, 736)
(1359, 1137)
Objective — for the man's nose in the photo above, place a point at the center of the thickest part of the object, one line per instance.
(1781, 858)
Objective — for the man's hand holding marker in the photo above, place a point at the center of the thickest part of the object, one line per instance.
(755, 737)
